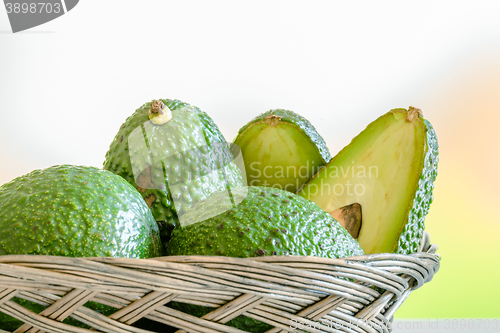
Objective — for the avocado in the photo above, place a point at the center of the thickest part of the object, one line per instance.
(281, 149)
(380, 185)
(267, 221)
(74, 211)
(175, 156)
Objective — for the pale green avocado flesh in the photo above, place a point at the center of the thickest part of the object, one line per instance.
(388, 169)
(278, 157)
(281, 150)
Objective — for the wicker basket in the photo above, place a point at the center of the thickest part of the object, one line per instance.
(291, 293)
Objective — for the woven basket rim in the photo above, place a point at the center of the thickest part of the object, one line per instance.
(272, 289)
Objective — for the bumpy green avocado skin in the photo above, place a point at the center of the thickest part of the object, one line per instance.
(187, 122)
(296, 120)
(412, 233)
(267, 222)
(75, 211)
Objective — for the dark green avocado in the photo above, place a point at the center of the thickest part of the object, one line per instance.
(281, 149)
(173, 162)
(388, 173)
(74, 211)
(267, 221)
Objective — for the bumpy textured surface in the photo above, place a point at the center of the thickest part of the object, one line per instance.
(296, 120)
(267, 222)
(414, 228)
(182, 151)
(75, 211)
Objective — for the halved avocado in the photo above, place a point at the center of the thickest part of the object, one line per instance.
(388, 170)
(281, 149)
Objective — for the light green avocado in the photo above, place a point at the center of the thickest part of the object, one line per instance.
(179, 158)
(268, 221)
(74, 211)
(388, 170)
(281, 149)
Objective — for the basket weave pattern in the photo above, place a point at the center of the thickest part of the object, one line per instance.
(308, 293)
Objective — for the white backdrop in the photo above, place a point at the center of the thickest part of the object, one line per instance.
(68, 85)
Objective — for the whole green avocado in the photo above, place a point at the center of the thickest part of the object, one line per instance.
(182, 162)
(267, 221)
(74, 211)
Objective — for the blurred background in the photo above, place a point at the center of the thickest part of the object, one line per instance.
(67, 86)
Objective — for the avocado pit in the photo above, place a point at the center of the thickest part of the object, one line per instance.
(349, 217)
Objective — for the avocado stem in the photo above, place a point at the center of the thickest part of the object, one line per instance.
(273, 120)
(159, 113)
(413, 113)
(349, 217)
